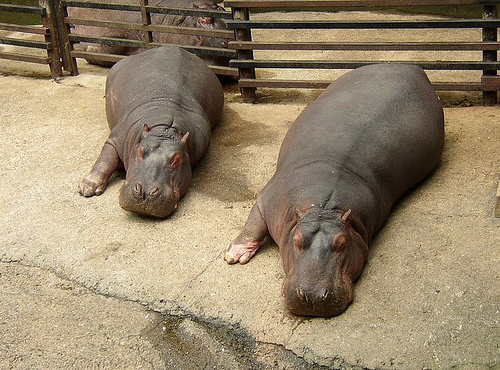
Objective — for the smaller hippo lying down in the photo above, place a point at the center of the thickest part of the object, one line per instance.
(373, 134)
(161, 106)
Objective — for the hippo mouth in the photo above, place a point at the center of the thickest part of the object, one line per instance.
(321, 299)
(152, 203)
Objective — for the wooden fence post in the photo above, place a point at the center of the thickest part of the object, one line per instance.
(146, 21)
(240, 34)
(63, 30)
(489, 34)
(48, 21)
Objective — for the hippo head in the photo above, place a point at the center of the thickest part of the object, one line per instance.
(158, 174)
(215, 24)
(324, 257)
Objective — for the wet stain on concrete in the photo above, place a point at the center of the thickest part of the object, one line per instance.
(188, 342)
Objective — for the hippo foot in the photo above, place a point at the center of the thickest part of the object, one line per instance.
(241, 253)
(92, 186)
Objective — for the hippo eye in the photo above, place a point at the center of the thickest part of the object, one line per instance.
(339, 242)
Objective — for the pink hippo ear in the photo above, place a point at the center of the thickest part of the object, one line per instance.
(346, 215)
(145, 131)
(298, 240)
(339, 241)
(300, 213)
(206, 22)
(184, 139)
(140, 153)
(176, 161)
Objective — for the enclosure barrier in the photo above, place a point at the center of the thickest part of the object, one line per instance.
(146, 29)
(47, 31)
(60, 40)
(245, 45)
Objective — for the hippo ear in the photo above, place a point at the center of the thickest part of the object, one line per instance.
(185, 138)
(298, 240)
(145, 130)
(140, 154)
(206, 22)
(345, 215)
(339, 241)
(300, 213)
(176, 161)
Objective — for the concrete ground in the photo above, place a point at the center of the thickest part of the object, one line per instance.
(85, 284)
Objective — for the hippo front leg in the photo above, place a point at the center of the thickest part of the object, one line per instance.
(106, 164)
(243, 248)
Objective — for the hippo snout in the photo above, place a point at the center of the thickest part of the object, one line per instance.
(139, 193)
(317, 299)
(152, 201)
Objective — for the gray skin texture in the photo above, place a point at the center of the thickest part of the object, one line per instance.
(373, 134)
(161, 106)
(156, 19)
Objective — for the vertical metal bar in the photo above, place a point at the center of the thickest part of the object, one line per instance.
(146, 21)
(248, 93)
(489, 34)
(63, 30)
(53, 51)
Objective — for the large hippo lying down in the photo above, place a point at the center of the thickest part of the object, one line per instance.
(156, 19)
(161, 106)
(373, 134)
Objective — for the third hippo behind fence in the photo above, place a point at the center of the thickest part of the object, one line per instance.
(189, 21)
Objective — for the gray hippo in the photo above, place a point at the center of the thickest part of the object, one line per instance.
(161, 106)
(373, 134)
(156, 19)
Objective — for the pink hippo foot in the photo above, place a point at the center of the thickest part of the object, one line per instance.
(241, 253)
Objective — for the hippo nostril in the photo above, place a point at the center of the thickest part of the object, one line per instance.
(325, 295)
(154, 192)
(138, 189)
(300, 293)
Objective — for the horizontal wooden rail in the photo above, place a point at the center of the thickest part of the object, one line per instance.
(392, 24)
(149, 9)
(24, 58)
(343, 64)
(113, 58)
(327, 4)
(322, 84)
(363, 46)
(153, 28)
(21, 9)
(25, 43)
(24, 29)
(110, 41)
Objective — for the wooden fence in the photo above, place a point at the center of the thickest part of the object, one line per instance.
(61, 39)
(146, 29)
(47, 39)
(252, 30)
(246, 26)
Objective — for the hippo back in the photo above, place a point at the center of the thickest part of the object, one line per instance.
(374, 133)
(165, 85)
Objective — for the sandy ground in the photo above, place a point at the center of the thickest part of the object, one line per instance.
(85, 284)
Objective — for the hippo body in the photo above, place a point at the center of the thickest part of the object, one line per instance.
(161, 106)
(373, 134)
(156, 19)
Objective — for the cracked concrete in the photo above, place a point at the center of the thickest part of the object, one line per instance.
(86, 284)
